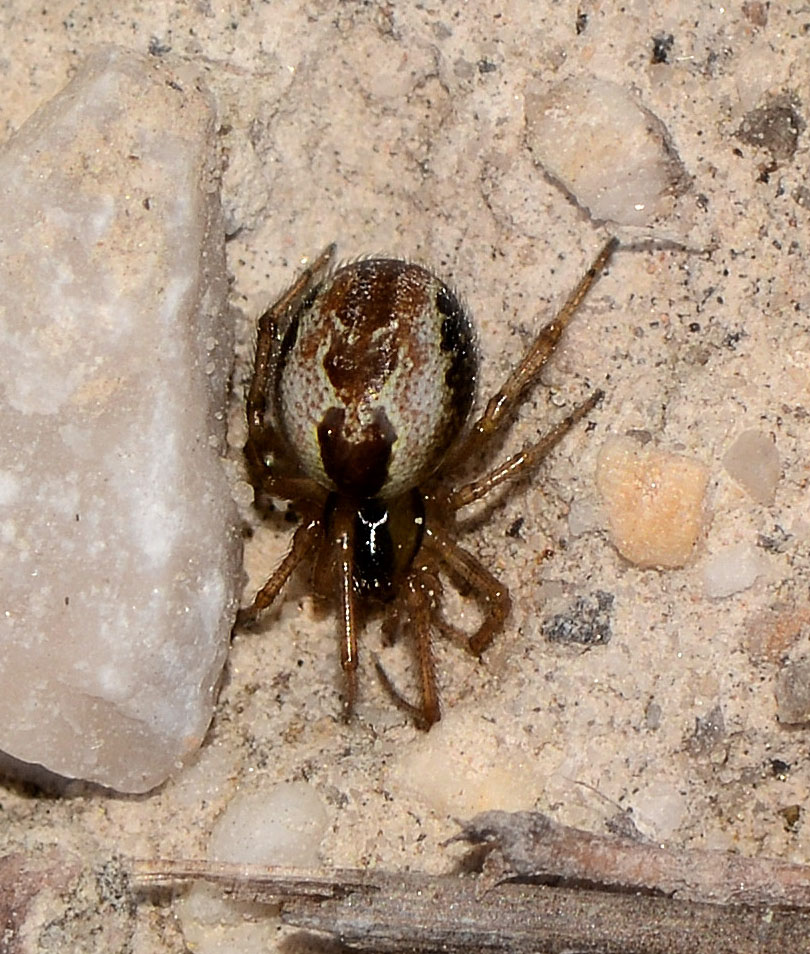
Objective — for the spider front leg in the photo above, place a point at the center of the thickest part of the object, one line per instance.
(517, 466)
(341, 543)
(263, 442)
(501, 406)
(304, 541)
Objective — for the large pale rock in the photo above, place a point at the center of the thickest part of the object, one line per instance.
(118, 547)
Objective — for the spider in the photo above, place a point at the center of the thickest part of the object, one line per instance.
(357, 411)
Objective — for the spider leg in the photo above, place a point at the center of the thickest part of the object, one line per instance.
(517, 466)
(439, 551)
(418, 603)
(343, 541)
(303, 541)
(492, 595)
(263, 440)
(391, 624)
(502, 404)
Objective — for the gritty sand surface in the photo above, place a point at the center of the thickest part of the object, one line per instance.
(400, 129)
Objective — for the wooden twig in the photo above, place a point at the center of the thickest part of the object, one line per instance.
(532, 846)
(418, 914)
(378, 911)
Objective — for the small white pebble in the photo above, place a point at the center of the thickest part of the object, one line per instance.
(282, 826)
(731, 570)
(9, 487)
(582, 517)
(659, 809)
(609, 151)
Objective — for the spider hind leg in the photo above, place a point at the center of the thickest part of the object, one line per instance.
(418, 605)
(422, 589)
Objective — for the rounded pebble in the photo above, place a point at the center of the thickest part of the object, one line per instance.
(654, 502)
(282, 826)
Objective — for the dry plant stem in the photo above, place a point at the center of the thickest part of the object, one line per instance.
(416, 913)
(532, 845)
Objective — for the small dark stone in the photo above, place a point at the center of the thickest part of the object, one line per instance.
(792, 692)
(791, 815)
(708, 732)
(662, 47)
(775, 127)
(756, 12)
(623, 825)
(515, 528)
(775, 542)
(587, 623)
(801, 196)
(652, 715)
(158, 48)
(640, 435)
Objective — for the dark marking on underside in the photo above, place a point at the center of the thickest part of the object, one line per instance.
(373, 550)
(379, 564)
(357, 468)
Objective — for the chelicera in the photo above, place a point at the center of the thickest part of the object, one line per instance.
(357, 411)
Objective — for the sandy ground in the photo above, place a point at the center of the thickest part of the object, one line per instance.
(401, 130)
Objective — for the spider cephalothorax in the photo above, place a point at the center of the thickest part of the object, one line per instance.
(363, 384)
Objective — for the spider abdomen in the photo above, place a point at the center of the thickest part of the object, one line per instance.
(375, 378)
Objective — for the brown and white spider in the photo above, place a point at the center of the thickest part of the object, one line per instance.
(363, 383)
